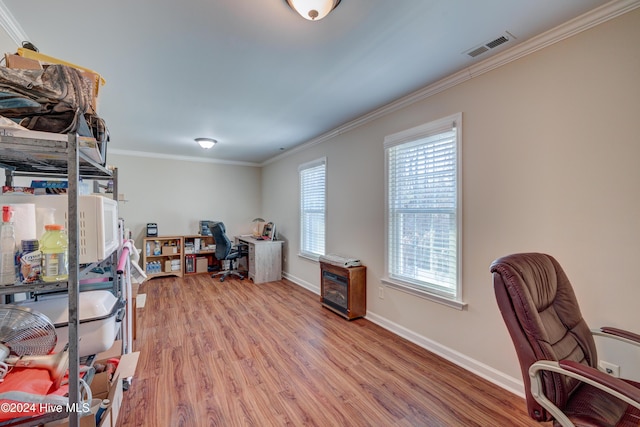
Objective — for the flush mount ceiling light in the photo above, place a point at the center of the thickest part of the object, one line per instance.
(206, 143)
(313, 10)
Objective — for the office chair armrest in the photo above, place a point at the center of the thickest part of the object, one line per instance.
(240, 250)
(617, 334)
(611, 385)
(615, 384)
(621, 333)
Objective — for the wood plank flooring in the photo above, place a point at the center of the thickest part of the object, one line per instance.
(237, 354)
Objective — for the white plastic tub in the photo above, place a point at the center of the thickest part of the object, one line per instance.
(100, 312)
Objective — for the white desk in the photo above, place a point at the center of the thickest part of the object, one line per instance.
(265, 259)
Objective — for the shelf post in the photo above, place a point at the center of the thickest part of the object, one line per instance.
(114, 179)
(73, 288)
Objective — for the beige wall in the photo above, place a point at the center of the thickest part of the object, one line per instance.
(549, 158)
(176, 194)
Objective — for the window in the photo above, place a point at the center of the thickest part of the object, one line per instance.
(312, 208)
(423, 210)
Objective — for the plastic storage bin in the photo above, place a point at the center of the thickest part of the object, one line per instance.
(100, 312)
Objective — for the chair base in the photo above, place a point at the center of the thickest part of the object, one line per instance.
(226, 273)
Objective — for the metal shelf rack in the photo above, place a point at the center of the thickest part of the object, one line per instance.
(75, 158)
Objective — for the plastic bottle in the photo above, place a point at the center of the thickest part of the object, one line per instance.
(103, 407)
(148, 248)
(54, 245)
(7, 248)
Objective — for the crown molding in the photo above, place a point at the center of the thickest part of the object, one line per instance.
(570, 28)
(11, 26)
(148, 155)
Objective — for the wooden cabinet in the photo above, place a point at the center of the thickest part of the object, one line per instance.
(199, 254)
(264, 259)
(344, 290)
(163, 256)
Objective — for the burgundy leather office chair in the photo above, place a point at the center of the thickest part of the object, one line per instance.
(556, 348)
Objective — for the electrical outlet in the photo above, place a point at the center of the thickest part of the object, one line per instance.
(611, 369)
(381, 292)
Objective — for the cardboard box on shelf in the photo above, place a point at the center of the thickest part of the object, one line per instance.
(201, 264)
(169, 250)
(17, 190)
(18, 62)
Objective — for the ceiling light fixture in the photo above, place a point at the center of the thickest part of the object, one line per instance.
(313, 10)
(206, 143)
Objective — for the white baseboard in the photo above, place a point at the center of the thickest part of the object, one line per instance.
(303, 283)
(498, 378)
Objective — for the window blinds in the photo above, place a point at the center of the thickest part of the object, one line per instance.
(422, 196)
(312, 208)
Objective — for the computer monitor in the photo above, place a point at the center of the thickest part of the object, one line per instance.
(205, 227)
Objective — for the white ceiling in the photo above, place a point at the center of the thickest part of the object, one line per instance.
(256, 76)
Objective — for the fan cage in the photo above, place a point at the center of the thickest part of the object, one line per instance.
(25, 331)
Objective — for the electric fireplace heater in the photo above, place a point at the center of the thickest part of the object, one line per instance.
(335, 291)
(343, 290)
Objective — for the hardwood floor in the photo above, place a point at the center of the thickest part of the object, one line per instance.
(237, 354)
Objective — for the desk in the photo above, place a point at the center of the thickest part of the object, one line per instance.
(264, 260)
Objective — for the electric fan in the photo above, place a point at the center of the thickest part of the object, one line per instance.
(26, 339)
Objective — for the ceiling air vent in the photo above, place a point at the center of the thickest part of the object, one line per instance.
(497, 42)
(478, 51)
(487, 46)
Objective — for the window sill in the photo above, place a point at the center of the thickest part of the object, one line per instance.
(315, 258)
(421, 293)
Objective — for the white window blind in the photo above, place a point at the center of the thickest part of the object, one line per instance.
(422, 207)
(312, 207)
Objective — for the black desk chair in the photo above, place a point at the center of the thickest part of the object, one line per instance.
(227, 253)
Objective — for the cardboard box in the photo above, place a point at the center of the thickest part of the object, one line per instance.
(18, 62)
(169, 250)
(104, 388)
(201, 264)
(167, 265)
